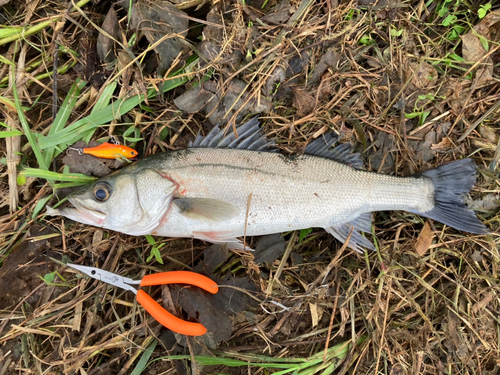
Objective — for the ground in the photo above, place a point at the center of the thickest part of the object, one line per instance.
(410, 84)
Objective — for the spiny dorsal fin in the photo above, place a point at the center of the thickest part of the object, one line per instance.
(343, 153)
(250, 137)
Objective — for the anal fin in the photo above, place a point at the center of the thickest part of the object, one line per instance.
(357, 242)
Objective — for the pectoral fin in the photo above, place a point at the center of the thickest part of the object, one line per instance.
(207, 209)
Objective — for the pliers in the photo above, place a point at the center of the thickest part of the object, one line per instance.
(150, 305)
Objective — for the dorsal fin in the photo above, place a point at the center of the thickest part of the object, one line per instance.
(343, 153)
(250, 137)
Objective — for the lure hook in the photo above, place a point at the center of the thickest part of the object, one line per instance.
(113, 140)
(79, 150)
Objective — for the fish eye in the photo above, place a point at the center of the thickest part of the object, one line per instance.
(101, 191)
(133, 153)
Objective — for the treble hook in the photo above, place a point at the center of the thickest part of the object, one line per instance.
(113, 140)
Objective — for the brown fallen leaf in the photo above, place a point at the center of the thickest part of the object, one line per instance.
(453, 339)
(423, 75)
(489, 133)
(106, 42)
(474, 43)
(456, 93)
(314, 314)
(482, 304)
(424, 239)
(304, 102)
(156, 20)
(445, 143)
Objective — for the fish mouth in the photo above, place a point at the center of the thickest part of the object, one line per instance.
(83, 214)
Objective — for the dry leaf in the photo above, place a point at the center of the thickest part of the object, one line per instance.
(473, 48)
(477, 256)
(77, 317)
(445, 143)
(424, 75)
(424, 239)
(105, 45)
(304, 102)
(482, 304)
(456, 91)
(157, 19)
(488, 202)
(314, 314)
(488, 133)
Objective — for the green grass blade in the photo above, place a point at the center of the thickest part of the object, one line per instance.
(67, 106)
(7, 102)
(211, 361)
(16, 33)
(27, 130)
(143, 362)
(3, 60)
(48, 175)
(10, 133)
(19, 33)
(81, 128)
(105, 97)
(6, 31)
(63, 115)
(64, 185)
(101, 103)
(39, 205)
(302, 366)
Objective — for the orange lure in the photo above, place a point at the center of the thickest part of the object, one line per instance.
(110, 151)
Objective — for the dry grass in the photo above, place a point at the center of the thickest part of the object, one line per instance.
(423, 309)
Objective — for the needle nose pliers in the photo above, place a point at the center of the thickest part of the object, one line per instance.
(150, 305)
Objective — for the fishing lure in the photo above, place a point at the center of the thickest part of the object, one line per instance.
(107, 151)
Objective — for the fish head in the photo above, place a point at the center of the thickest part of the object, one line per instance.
(132, 203)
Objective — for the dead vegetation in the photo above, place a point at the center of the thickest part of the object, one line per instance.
(411, 84)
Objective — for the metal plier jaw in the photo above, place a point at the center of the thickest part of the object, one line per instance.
(107, 277)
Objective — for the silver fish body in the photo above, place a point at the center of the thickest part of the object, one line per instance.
(219, 194)
(276, 194)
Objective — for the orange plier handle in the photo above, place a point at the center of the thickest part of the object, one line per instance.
(163, 316)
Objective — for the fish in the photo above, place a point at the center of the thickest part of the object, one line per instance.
(110, 151)
(229, 185)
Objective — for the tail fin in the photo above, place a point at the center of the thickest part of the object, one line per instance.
(451, 181)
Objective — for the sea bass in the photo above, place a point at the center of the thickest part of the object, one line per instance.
(225, 186)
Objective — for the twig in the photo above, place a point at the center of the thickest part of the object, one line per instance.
(330, 327)
(479, 121)
(288, 250)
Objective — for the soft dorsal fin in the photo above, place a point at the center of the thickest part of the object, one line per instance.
(250, 137)
(343, 153)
